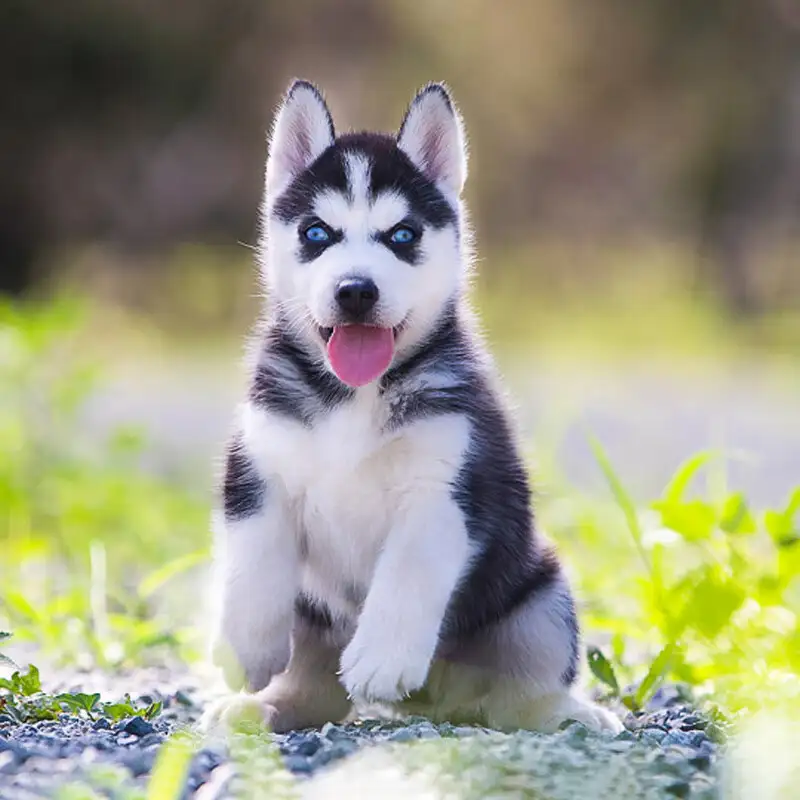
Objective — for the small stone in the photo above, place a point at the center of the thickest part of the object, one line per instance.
(303, 745)
(576, 732)
(152, 739)
(403, 735)
(298, 764)
(139, 762)
(625, 736)
(101, 724)
(183, 698)
(334, 733)
(675, 737)
(653, 735)
(700, 761)
(696, 738)
(136, 726)
(619, 745)
(679, 788)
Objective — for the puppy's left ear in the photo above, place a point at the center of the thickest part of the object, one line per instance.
(303, 130)
(432, 136)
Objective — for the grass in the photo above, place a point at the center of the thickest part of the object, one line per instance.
(696, 587)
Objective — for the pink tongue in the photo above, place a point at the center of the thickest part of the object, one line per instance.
(360, 353)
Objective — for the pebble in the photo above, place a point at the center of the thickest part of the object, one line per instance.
(137, 726)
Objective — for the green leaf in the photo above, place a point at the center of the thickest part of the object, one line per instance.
(711, 603)
(601, 668)
(79, 701)
(153, 710)
(683, 476)
(29, 681)
(781, 525)
(694, 520)
(118, 711)
(656, 674)
(735, 516)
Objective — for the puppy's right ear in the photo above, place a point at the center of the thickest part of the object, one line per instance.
(303, 130)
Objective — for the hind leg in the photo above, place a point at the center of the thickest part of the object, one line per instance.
(528, 664)
(542, 646)
(307, 695)
(511, 707)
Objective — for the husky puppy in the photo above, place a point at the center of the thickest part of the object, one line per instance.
(375, 539)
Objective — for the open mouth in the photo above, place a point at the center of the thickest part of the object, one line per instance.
(359, 354)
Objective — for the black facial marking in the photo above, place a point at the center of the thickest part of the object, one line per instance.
(311, 250)
(291, 381)
(315, 613)
(408, 252)
(391, 170)
(327, 173)
(243, 489)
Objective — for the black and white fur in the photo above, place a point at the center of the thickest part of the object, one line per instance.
(378, 541)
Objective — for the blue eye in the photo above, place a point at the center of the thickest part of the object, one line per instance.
(316, 233)
(402, 235)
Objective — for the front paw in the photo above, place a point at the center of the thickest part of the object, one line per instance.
(237, 714)
(248, 668)
(377, 670)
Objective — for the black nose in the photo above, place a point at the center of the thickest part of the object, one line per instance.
(356, 296)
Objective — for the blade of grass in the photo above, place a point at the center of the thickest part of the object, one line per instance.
(155, 580)
(628, 508)
(170, 770)
(625, 503)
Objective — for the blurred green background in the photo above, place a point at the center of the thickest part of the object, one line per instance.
(635, 188)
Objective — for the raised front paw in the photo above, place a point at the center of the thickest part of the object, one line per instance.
(251, 668)
(377, 671)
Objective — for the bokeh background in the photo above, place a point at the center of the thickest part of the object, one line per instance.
(635, 187)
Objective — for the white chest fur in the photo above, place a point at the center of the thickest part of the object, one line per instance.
(346, 480)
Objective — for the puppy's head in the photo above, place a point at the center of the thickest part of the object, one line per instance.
(363, 233)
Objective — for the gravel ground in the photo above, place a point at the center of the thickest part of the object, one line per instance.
(668, 751)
